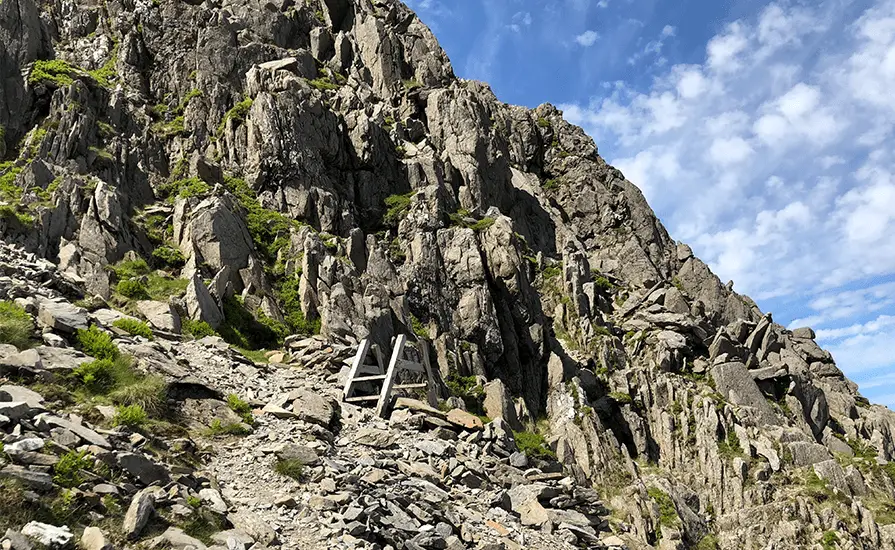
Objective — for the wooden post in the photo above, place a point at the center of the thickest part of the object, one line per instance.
(359, 358)
(386, 393)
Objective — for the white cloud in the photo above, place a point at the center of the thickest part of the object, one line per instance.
(520, 20)
(691, 84)
(878, 324)
(724, 49)
(732, 150)
(587, 38)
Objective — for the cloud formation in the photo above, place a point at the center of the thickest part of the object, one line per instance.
(769, 157)
(587, 38)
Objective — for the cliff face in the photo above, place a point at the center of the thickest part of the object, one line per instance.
(321, 162)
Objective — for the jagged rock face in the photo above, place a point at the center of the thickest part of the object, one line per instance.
(324, 155)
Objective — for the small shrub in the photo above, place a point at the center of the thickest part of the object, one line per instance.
(184, 188)
(134, 327)
(97, 343)
(193, 501)
(708, 542)
(418, 327)
(269, 229)
(97, 376)
(131, 416)
(237, 114)
(396, 251)
(241, 408)
(198, 329)
(543, 122)
(551, 271)
(533, 445)
(54, 71)
(730, 446)
(482, 224)
(667, 512)
(603, 284)
(67, 472)
(323, 83)
(551, 184)
(16, 326)
(412, 83)
(218, 428)
(289, 467)
(106, 75)
(621, 398)
(240, 328)
(173, 128)
(829, 540)
(295, 318)
(134, 289)
(397, 208)
(129, 269)
(167, 256)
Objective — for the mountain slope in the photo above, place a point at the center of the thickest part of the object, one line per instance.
(319, 168)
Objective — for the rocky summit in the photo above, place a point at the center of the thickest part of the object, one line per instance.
(207, 206)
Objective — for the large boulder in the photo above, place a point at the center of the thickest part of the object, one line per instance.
(160, 315)
(213, 233)
(61, 316)
(499, 404)
(735, 384)
(138, 513)
(200, 305)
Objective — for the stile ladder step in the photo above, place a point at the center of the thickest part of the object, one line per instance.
(420, 386)
(376, 378)
(362, 398)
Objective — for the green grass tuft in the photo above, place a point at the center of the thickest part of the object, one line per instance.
(237, 114)
(241, 408)
(134, 289)
(16, 326)
(168, 256)
(97, 343)
(397, 208)
(289, 467)
(290, 299)
(323, 83)
(67, 472)
(131, 416)
(667, 511)
(533, 445)
(198, 329)
(829, 540)
(54, 72)
(147, 392)
(708, 542)
(134, 327)
(106, 75)
(418, 327)
(730, 446)
(184, 188)
(621, 398)
(218, 428)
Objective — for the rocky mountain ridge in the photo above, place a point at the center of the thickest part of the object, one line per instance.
(256, 171)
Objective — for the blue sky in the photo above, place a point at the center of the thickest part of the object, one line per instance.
(760, 132)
